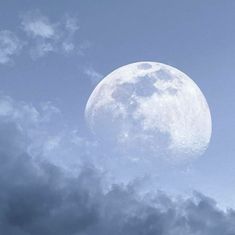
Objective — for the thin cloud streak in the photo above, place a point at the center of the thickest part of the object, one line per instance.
(93, 75)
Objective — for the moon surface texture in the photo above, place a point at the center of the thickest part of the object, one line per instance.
(149, 109)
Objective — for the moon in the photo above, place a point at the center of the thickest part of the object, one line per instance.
(150, 109)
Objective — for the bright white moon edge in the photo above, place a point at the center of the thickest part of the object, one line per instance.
(151, 109)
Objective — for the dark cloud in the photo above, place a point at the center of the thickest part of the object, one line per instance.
(39, 198)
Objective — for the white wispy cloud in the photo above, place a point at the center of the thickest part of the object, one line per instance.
(42, 36)
(71, 24)
(68, 46)
(71, 28)
(93, 75)
(10, 45)
(41, 49)
(22, 112)
(37, 25)
(50, 37)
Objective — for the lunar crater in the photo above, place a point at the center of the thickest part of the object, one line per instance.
(144, 66)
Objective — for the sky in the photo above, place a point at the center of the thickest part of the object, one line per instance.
(55, 178)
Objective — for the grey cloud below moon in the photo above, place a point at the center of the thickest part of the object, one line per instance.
(38, 197)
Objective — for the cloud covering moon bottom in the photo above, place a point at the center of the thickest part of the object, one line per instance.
(149, 109)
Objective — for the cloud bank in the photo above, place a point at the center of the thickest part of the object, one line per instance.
(38, 197)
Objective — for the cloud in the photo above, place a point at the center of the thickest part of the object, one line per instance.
(68, 46)
(24, 114)
(71, 24)
(50, 37)
(17, 112)
(43, 34)
(10, 45)
(38, 197)
(36, 25)
(93, 75)
(71, 27)
(42, 37)
(41, 49)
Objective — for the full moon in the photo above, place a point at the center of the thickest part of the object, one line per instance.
(149, 109)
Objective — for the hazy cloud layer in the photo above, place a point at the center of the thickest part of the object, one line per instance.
(38, 197)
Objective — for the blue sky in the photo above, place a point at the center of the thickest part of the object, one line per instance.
(52, 55)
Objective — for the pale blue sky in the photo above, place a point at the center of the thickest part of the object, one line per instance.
(197, 37)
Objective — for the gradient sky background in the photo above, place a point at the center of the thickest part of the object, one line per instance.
(92, 38)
